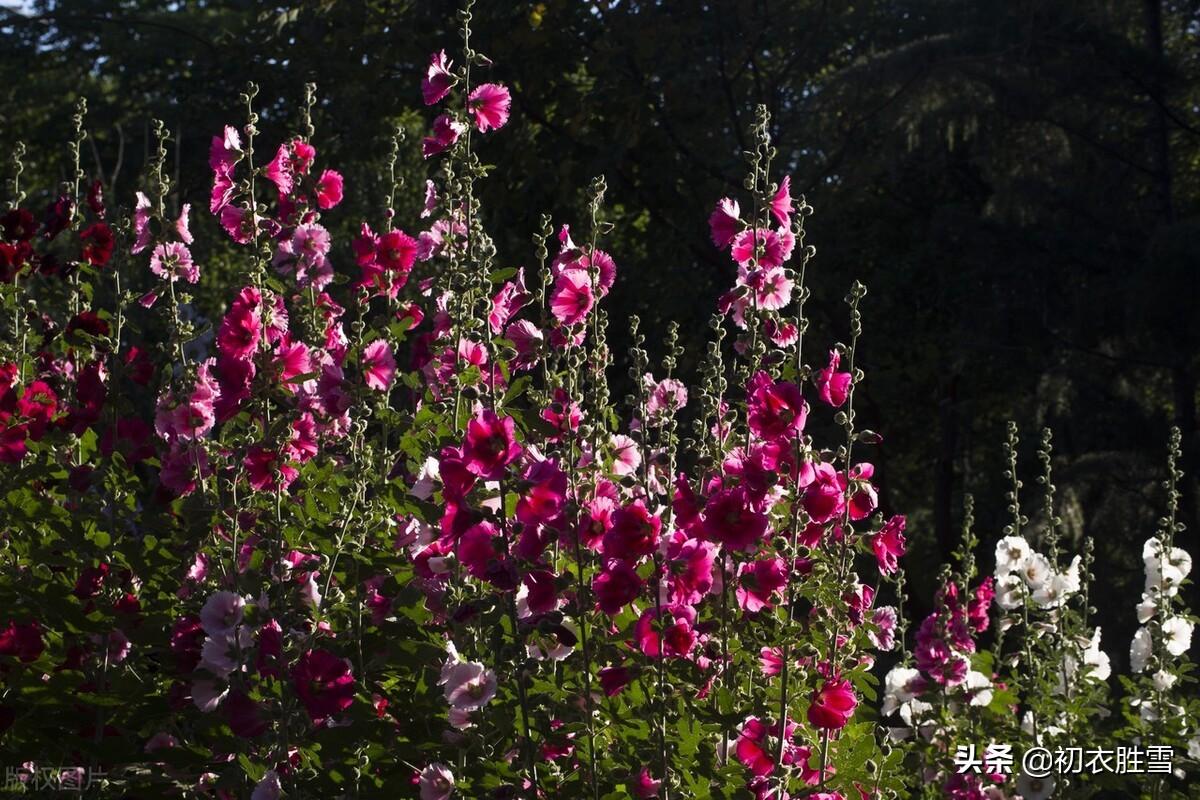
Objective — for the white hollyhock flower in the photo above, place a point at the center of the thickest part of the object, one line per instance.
(1177, 635)
(1009, 591)
(1035, 570)
(980, 686)
(1194, 748)
(1163, 680)
(901, 685)
(1139, 650)
(1011, 552)
(1165, 570)
(1095, 661)
(1146, 609)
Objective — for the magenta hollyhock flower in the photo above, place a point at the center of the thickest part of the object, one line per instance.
(446, 131)
(22, 640)
(490, 445)
(396, 251)
(438, 78)
(759, 582)
(528, 340)
(545, 498)
(725, 222)
(770, 660)
(279, 171)
(225, 151)
(825, 497)
(436, 782)
(729, 520)
(378, 365)
(329, 189)
(476, 547)
(261, 464)
(613, 680)
(292, 360)
(646, 785)
(172, 260)
(538, 593)
(616, 586)
(490, 104)
(977, 607)
(243, 715)
(691, 574)
(774, 409)
(884, 621)
(511, 298)
(833, 387)
(324, 683)
(832, 705)
(572, 298)
(865, 498)
(753, 745)
(634, 533)
(236, 221)
(888, 545)
(239, 333)
(671, 633)
(773, 248)
(222, 194)
(781, 203)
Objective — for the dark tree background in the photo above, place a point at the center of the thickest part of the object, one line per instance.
(1018, 183)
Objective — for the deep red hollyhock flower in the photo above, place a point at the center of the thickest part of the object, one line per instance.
(324, 683)
(90, 581)
(18, 225)
(95, 199)
(613, 680)
(187, 637)
(634, 533)
(98, 242)
(616, 586)
(832, 705)
(23, 641)
(729, 520)
(243, 715)
(57, 217)
(12, 258)
(490, 445)
(269, 660)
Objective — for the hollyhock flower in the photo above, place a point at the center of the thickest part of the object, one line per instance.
(613, 680)
(446, 131)
(292, 359)
(901, 685)
(238, 223)
(329, 189)
(1177, 635)
(691, 563)
(57, 217)
(832, 705)
(755, 746)
(977, 607)
(172, 260)
(545, 497)
(18, 225)
(667, 631)
(538, 593)
(438, 78)
(883, 634)
(864, 498)
(1036, 571)
(833, 387)
(467, 685)
(222, 612)
(759, 582)
(222, 193)
(634, 533)
(729, 520)
(888, 544)
(225, 151)
(1011, 552)
(646, 785)
(825, 498)
(98, 242)
(571, 299)
(324, 684)
(268, 788)
(511, 298)
(240, 330)
(490, 444)
(664, 398)
(476, 547)
(774, 409)
(773, 248)
(378, 365)
(490, 104)
(261, 464)
(279, 171)
(206, 696)
(616, 586)
(725, 222)
(436, 782)
(22, 640)
(781, 203)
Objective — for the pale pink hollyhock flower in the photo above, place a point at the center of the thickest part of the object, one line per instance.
(467, 685)
(182, 226)
(438, 78)
(725, 222)
(490, 103)
(206, 696)
(460, 719)
(771, 661)
(626, 456)
(172, 260)
(221, 612)
(781, 203)
(437, 782)
(378, 365)
(268, 788)
(141, 224)
(446, 131)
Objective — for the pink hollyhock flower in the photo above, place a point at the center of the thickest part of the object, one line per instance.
(616, 586)
(781, 203)
(977, 607)
(98, 243)
(770, 660)
(773, 248)
(626, 456)
(729, 520)
(261, 464)
(527, 338)
(646, 785)
(511, 298)
(239, 333)
(833, 387)
(329, 189)
(182, 225)
(446, 131)
(292, 360)
(179, 471)
(225, 151)
(634, 533)
(476, 547)
(691, 574)
(884, 621)
(671, 633)
(172, 260)
(378, 365)
(237, 222)
(490, 104)
(865, 498)
(279, 171)
(754, 744)
(725, 222)
(572, 296)
(222, 612)
(545, 498)
(832, 705)
(438, 78)
(775, 409)
(468, 686)
(490, 444)
(888, 544)
(324, 683)
(222, 193)
(825, 497)
(431, 197)
(759, 582)
(436, 782)
(665, 398)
